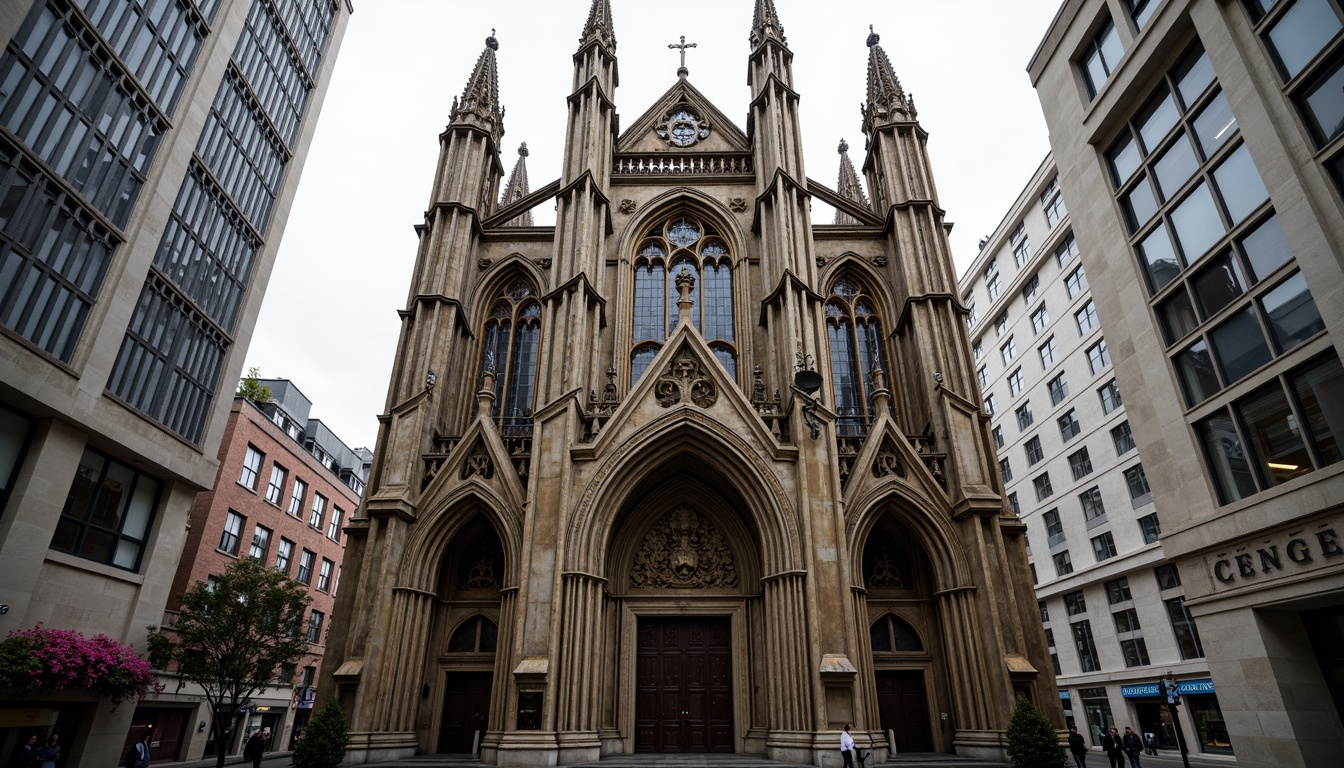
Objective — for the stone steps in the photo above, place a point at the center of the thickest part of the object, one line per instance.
(714, 761)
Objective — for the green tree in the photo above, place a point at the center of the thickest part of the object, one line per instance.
(251, 387)
(1032, 742)
(324, 740)
(232, 638)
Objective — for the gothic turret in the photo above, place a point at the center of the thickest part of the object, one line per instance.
(887, 101)
(599, 26)
(517, 189)
(765, 24)
(848, 185)
(479, 105)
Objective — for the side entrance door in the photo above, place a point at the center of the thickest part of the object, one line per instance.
(903, 707)
(466, 709)
(683, 679)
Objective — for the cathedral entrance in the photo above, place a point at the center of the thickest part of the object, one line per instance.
(683, 679)
(902, 707)
(466, 707)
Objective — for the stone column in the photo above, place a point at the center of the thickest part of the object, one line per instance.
(865, 709)
(972, 718)
(501, 689)
(788, 672)
(578, 688)
(404, 664)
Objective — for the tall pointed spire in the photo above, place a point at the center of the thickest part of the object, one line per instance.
(886, 98)
(599, 25)
(848, 186)
(479, 104)
(765, 24)
(517, 189)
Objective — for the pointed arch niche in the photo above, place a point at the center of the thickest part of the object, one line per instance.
(903, 636)
(466, 636)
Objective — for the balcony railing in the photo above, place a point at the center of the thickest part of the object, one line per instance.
(667, 164)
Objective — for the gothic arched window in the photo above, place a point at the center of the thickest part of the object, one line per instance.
(892, 633)
(855, 337)
(510, 342)
(675, 246)
(476, 635)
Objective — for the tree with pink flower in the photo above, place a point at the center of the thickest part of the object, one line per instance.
(40, 659)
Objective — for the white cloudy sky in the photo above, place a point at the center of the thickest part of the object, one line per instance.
(329, 321)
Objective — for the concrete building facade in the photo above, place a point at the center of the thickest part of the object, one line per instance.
(1112, 604)
(149, 154)
(1200, 143)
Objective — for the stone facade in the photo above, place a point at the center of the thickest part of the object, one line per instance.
(97, 478)
(1220, 286)
(683, 472)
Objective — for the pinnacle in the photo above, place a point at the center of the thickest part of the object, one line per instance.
(480, 97)
(517, 189)
(599, 25)
(886, 99)
(765, 24)
(849, 185)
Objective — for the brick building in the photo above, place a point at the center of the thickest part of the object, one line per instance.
(286, 486)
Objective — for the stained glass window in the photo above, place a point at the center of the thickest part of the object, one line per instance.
(509, 350)
(854, 333)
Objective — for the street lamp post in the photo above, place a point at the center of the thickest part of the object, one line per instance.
(1171, 694)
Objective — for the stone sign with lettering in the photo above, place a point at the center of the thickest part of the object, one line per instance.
(1285, 552)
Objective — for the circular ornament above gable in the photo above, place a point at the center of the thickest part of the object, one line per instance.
(682, 127)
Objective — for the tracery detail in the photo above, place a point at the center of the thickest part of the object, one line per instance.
(684, 550)
(509, 352)
(682, 127)
(685, 379)
(855, 336)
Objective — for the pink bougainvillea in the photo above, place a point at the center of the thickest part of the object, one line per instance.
(40, 659)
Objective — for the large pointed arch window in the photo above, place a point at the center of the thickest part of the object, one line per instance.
(682, 244)
(854, 333)
(510, 342)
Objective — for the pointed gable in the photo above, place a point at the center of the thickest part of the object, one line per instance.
(643, 134)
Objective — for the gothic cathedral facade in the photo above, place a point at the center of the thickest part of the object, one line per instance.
(684, 472)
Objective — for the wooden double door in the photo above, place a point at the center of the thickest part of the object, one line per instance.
(466, 710)
(903, 707)
(683, 679)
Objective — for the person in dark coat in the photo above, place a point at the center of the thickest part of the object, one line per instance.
(141, 751)
(1077, 746)
(1114, 747)
(25, 755)
(1133, 747)
(256, 747)
(48, 755)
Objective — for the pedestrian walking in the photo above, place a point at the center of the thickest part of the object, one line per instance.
(48, 755)
(255, 749)
(1114, 747)
(847, 747)
(1150, 744)
(1133, 747)
(138, 756)
(25, 755)
(1077, 746)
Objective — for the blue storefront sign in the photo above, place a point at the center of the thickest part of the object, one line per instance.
(1149, 690)
(1064, 695)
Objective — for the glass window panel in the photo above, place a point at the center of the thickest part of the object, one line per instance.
(1123, 157)
(1320, 398)
(1323, 104)
(1157, 119)
(1276, 439)
(1140, 204)
(1196, 223)
(141, 508)
(1240, 184)
(1239, 345)
(1159, 259)
(1218, 284)
(1215, 124)
(1291, 313)
(1266, 248)
(1193, 75)
(1177, 316)
(1195, 367)
(1142, 10)
(1227, 463)
(1301, 32)
(1175, 167)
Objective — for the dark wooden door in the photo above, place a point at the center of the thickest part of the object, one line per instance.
(903, 707)
(466, 708)
(683, 679)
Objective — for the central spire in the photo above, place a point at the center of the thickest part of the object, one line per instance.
(480, 98)
(765, 24)
(848, 185)
(517, 189)
(599, 25)
(886, 98)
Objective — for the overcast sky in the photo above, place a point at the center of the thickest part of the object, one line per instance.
(329, 321)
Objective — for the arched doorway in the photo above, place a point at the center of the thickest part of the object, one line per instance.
(902, 636)
(470, 580)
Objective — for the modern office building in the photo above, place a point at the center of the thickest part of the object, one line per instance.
(1200, 144)
(149, 153)
(285, 489)
(1112, 605)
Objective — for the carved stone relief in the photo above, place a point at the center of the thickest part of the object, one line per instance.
(888, 462)
(737, 204)
(685, 379)
(683, 550)
(478, 463)
(627, 206)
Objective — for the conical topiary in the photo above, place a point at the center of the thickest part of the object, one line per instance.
(324, 740)
(1032, 742)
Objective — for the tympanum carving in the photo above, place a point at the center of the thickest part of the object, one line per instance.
(684, 550)
(685, 379)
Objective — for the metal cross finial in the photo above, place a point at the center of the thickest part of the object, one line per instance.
(683, 46)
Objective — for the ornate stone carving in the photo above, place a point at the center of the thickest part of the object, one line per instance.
(888, 462)
(685, 379)
(478, 463)
(682, 127)
(684, 550)
(481, 574)
(627, 206)
(737, 204)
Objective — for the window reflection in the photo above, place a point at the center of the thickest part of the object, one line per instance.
(1291, 313)
(1300, 33)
